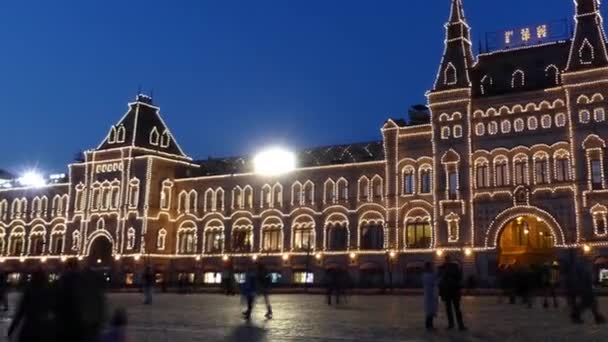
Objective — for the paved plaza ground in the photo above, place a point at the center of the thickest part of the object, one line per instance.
(201, 317)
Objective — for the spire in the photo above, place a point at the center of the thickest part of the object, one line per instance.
(457, 56)
(588, 49)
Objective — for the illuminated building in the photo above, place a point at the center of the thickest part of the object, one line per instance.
(509, 170)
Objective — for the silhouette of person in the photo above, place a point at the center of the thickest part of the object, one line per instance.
(249, 289)
(34, 312)
(80, 305)
(450, 288)
(148, 282)
(4, 290)
(588, 301)
(429, 284)
(264, 283)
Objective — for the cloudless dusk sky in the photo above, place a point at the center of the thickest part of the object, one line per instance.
(230, 76)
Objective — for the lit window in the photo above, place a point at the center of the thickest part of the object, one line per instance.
(425, 181)
(418, 235)
(596, 173)
(212, 278)
(453, 184)
(303, 277)
(408, 182)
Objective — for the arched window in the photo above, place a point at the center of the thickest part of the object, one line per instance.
(209, 203)
(277, 195)
(450, 75)
(518, 79)
(418, 233)
(134, 193)
(600, 223)
(165, 139)
(546, 121)
(586, 52)
(329, 191)
(371, 231)
(242, 236)
(377, 187)
(186, 238)
(165, 195)
(520, 169)
(3, 210)
(57, 240)
(342, 187)
(214, 237)
(453, 223)
(266, 196)
(445, 132)
(303, 228)
(248, 197)
(457, 131)
(552, 74)
(337, 236)
(480, 129)
(532, 123)
(154, 136)
(424, 177)
(121, 134)
(486, 84)
(296, 194)
(2, 241)
(161, 239)
(560, 120)
(272, 235)
(501, 172)
(219, 199)
(482, 173)
(541, 168)
(17, 242)
(584, 116)
(237, 198)
(363, 191)
(112, 135)
(562, 166)
(408, 180)
(79, 198)
(505, 126)
(309, 193)
(599, 114)
(37, 240)
(131, 238)
(493, 128)
(519, 125)
(76, 241)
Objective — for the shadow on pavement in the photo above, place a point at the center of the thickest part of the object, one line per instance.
(247, 333)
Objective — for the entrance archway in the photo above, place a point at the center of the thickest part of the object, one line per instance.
(100, 252)
(525, 241)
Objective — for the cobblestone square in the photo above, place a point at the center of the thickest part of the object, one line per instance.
(202, 317)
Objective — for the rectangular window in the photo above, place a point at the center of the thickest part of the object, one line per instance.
(596, 173)
(272, 239)
(212, 278)
(520, 172)
(542, 169)
(453, 184)
(561, 169)
(408, 184)
(303, 238)
(482, 179)
(418, 235)
(425, 182)
(501, 175)
(303, 277)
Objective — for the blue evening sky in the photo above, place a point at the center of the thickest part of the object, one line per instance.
(230, 76)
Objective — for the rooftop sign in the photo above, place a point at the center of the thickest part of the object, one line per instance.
(527, 35)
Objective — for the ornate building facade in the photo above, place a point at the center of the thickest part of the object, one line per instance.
(509, 170)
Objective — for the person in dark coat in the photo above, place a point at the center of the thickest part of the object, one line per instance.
(34, 317)
(429, 284)
(249, 290)
(148, 282)
(4, 290)
(584, 289)
(264, 284)
(450, 288)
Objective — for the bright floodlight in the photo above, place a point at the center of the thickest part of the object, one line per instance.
(33, 179)
(274, 161)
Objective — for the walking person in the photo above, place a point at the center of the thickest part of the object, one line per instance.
(265, 282)
(148, 282)
(4, 291)
(34, 317)
(588, 300)
(429, 283)
(450, 290)
(249, 289)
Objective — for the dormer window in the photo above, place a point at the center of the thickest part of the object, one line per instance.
(586, 52)
(552, 74)
(165, 139)
(449, 75)
(518, 79)
(112, 135)
(154, 137)
(121, 133)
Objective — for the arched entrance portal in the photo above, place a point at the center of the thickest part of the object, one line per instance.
(100, 253)
(525, 241)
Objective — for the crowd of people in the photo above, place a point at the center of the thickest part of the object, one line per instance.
(72, 309)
